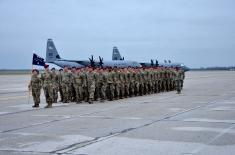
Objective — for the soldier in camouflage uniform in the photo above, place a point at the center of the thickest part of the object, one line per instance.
(97, 79)
(90, 85)
(55, 85)
(35, 87)
(178, 82)
(102, 84)
(79, 79)
(116, 80)
(110, 86)
(122, 83)
(46, 79)
(66, 78)
(60, 84)
(72, 95)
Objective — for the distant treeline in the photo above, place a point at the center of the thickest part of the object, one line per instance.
(14, 71)
(214, 69)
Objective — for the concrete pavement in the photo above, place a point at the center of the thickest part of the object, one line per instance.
(200, 121)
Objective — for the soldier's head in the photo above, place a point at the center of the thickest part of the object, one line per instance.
(53, 70)
(66, 68)
(46, 67)
(78, 70)
(60, 70)
(73, 69)
(35, 72)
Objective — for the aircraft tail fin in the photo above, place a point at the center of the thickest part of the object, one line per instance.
(116, 54)
(51, 52)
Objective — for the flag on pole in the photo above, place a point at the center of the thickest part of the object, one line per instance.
(38, 60)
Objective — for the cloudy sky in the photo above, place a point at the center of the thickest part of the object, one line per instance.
(199, 33)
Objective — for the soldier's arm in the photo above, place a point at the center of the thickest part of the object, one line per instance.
(42, 80)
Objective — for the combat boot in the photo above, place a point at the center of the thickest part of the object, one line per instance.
(49, 105)
(35, 106)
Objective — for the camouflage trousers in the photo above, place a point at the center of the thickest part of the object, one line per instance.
(79, 92)
(65, 91)
(55, 93)
(117, 90)
(110, 91)
(102, 91)
(72, 92)
(178, 86)
(136, 88)
(122, 90)
(127, 89)
(61, 93)
(131, 88)
(36, 95)
(91, 91)
(48, 92)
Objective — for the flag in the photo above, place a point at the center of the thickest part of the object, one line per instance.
(38, 60)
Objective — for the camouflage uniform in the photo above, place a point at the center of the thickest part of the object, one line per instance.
(78, 84)
(66, 78)
(72, 94)
(55, 87)
(177, 83)
(46, 78)
(122, 84)
(91, 86)
(102, 85)
(60, 85)
(35, 86)
(116, 80)
(110, 87)
(97, 79)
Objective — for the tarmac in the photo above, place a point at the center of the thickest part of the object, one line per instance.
(200, 121)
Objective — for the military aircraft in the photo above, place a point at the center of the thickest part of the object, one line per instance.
(52, 56)
(117, 56)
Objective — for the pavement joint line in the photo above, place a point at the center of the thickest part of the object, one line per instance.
(22, 151)
(197, 150)
(172, 120)
(103, 138)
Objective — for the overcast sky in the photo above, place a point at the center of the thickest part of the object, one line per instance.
(199, 33)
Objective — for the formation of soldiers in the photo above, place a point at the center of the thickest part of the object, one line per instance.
(92, 84)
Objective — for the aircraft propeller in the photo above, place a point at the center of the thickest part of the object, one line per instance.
(92, 61)
(152, 64)
(101, 61)
(157, 64)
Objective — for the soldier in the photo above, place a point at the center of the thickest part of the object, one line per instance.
(97, 79)
(46, 78)
(90, 85)
(178, 81)
(35, 87)
(72, 95)
(116, 80)
(66, 78)
(122, 83)
(60, 84)
(102, 85)
(55, 85)
(110, 86)
(79, 79)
